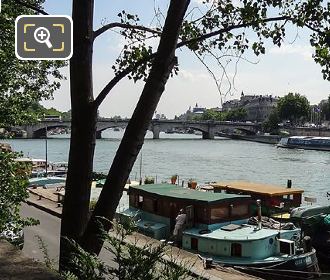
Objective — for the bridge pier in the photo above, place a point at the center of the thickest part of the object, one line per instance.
(155, 132)
(98, 134)
(29, 132)
(208, 135)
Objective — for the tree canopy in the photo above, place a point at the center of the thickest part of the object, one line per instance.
(293, 107)
(13, 184)
(271, 124)
(22, 82)
(238, 114)
(325, 109)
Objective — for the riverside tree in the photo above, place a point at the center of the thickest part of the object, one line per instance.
(325, 109)
(13, 184)
(219, 30)
(293, 107)
(22, 83)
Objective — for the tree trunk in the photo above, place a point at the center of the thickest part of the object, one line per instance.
(83, 129)
(134, 134)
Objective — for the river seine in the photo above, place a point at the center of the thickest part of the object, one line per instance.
(204, 160)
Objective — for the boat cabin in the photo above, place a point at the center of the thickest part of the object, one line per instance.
(272, 197)
(306, 142)
(162, 202)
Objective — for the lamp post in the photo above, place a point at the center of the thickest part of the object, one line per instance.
(46, 147)
(231, 206)
(140, 182)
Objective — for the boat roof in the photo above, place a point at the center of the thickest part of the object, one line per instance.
(46, 181)
(244, 233)
(257, 188)
(311, 137)
(176, 192)
(26, 159)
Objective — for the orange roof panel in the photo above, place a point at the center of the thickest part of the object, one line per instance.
(258, 188)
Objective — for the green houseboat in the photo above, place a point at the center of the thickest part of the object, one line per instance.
(216, 226)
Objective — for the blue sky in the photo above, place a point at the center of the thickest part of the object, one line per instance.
(281, 70)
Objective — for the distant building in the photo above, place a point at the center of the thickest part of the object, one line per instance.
(198, 110)
(258, 107)
(191, 112)
(160, 117)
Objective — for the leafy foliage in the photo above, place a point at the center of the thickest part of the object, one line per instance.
(225, 27)
(211, 114)
(325, 109)
(238, 114)
(13, 184)
(293, 107)
(134, 50)
(21, 82)
(48, 261)
(230, 30)
(271, 124)
(133, 261)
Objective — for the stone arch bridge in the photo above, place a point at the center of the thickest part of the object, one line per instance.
(208, 128)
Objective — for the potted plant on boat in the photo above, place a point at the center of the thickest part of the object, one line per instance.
(149, 180)
(192, 183)
(174, 178)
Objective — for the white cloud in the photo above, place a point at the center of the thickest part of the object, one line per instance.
(302, 50)
(199, 2)
(193, 76)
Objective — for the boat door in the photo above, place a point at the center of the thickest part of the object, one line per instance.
(173, 213)
(190, 216)
(236, 250)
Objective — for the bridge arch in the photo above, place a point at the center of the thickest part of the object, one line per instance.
(103, 127)
(39, 130)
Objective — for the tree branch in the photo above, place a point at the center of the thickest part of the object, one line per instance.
(122, 74)
(226, 29)
(128, 70)
(106, 27)
(34, 8)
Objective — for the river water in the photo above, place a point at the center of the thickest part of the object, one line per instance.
(204, 160)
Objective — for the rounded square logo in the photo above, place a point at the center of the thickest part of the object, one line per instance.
(40, 37)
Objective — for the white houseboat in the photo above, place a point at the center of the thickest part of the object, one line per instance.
(305, 142)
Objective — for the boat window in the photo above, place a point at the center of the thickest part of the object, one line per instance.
(236, 250)
(202, 215)
(140, 203)
(148, 204)
(133, 200)
(219, 213)
(240, 210)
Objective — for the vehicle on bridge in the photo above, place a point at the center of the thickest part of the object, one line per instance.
(56, 118)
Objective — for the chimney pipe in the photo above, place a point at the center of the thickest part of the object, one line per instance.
(259, 213)
(289, 184)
